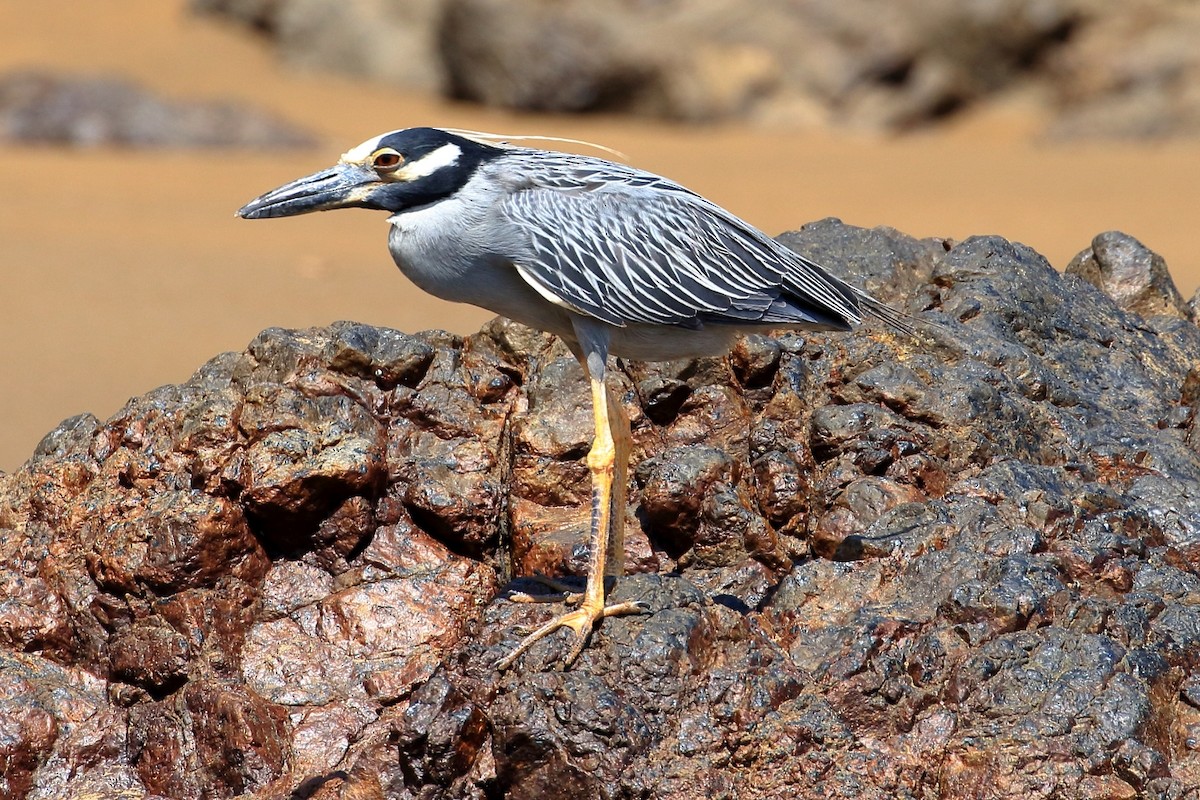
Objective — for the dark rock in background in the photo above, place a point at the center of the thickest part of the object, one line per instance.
(1132, 72)
(391, 41)
(876, 567)
(90, 112)
(1099, 67)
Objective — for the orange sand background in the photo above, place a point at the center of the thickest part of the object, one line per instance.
(122, 271)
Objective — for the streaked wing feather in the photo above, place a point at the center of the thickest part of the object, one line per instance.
(628, 247)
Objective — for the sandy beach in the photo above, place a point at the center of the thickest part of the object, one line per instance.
(125, 270)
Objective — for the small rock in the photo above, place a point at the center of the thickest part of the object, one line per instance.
(152, 656)
(754, 360)
(1132, 275)
(674, 488)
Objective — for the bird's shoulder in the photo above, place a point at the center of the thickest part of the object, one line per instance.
(550, 171)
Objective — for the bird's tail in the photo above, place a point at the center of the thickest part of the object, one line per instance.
(920, 330)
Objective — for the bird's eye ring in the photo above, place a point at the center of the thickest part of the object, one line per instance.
(387, 160)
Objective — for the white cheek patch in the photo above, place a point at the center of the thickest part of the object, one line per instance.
(444, 156)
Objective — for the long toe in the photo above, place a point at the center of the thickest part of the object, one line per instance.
(581, 621)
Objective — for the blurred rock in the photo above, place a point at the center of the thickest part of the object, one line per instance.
(262, 15)
(893, 66)
(875, 566)
(92, 112)
(391, 41)
(1101, 68)
(1132, 72)
(860, 63)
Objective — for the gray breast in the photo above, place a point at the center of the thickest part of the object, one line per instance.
(460, 251)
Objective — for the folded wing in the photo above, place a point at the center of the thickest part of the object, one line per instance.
(644, 250)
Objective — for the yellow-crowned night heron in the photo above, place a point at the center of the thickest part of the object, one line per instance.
(614, 260)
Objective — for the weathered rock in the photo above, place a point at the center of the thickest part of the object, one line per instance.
(878, 567)
(208, 739)
(29, 734)
(89, 112)
(1128, 272)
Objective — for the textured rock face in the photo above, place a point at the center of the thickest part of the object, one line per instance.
(876, 568)
(1104, 68)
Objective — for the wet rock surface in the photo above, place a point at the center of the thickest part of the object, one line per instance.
(875, 567)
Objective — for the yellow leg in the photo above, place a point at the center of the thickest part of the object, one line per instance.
(608, 461)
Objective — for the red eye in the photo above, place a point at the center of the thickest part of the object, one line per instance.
(387, 159)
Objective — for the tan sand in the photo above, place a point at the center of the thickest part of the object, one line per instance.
(126, 270)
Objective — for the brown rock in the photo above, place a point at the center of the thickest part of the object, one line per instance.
(177, 539)
(754, 360)
(858, 506)
(29, 734)
(152, 656)
(32, 616)
(212, 621)
(63, 739)
(781, 487)
(1131, 274)
(675, 488)
(210, 737)
(293, 472)
(548, 540)
(871, 568)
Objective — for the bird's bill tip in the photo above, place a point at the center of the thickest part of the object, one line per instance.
(342, 186)
(263, 208)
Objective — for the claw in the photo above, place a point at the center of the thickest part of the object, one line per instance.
(581, 621)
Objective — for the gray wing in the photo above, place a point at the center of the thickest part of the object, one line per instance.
(645, 250)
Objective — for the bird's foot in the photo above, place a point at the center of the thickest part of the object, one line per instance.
(582, 620)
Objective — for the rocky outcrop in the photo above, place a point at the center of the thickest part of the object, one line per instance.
(875, 567)
(106, 111)
(1101, 68)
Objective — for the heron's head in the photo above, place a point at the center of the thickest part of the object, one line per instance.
(393, 172)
